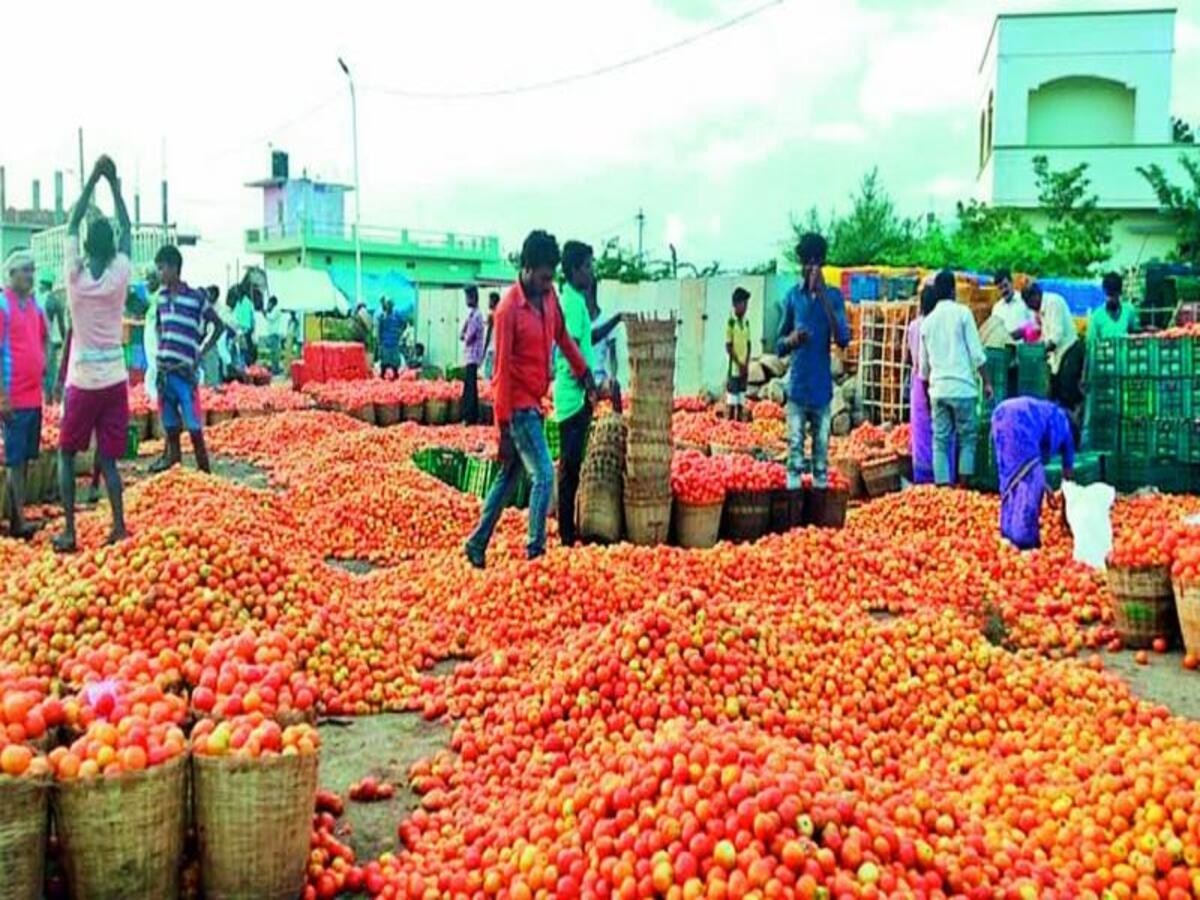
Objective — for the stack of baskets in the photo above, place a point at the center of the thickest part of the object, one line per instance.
(1143, 604)
(648, 448)
(1187, 606)
(598, 504)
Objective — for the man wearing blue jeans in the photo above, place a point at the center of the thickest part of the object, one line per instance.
(529, 323)
(814, 317)
(951, 354)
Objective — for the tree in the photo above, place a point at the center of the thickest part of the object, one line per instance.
(1181, 132)
(1181, 204)
(1079, 234)
(872, 233)
(990, 237)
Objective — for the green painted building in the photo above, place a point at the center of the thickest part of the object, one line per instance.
(304, 225)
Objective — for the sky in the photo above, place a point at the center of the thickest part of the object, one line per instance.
(720, 141)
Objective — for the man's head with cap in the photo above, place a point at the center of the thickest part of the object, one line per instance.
(18, 272)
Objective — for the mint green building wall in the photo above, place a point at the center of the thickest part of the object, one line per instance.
(1078, 111)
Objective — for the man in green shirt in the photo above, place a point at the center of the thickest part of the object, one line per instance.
(1115, 319)
(572, 409)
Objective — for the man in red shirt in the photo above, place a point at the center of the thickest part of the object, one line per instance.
(24, 337)
(528, 325)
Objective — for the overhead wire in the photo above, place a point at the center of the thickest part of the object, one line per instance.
(587, 74)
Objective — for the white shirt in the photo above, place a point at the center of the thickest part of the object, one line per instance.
(951, 352)
(1058, 328)
(1013, 312)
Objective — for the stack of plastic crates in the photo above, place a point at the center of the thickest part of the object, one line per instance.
(448, 466)
(883, 372)
(480, 475)
(1157, 393)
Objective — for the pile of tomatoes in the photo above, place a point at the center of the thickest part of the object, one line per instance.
(629, 721)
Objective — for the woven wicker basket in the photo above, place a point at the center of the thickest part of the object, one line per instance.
(697, 527)
(455, 411)
(1141, 620)
(1149, 582)
(387, 414)
(787, 510)
(747, 515)
(24, 822)
(437, 412)
(1187, 607)
(881, 476)
(253, 821)
(647, 520)
(412, 412)
(122, 837)
(598, 505)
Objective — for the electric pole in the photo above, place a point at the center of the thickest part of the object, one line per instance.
(641, 220)
(82, 174)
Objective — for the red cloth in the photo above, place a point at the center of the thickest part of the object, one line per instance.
(525, 340)
(103, 412)
(23, 335)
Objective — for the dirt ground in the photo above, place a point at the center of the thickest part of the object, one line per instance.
(1163, 680)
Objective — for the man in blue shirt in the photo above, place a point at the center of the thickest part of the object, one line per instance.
(814, 316)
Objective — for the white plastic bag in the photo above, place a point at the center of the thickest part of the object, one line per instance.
(1088, 514)
(150, 345)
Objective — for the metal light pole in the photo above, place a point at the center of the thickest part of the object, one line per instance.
(357, 203)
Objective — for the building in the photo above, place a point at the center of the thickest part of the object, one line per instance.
(304, 224)
(18, 226)
(1087, 87)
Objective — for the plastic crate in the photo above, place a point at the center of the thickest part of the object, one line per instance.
(1173, 398)
(999, 362)
(1137, 439)
(480, 475)
(1191, 438)
(1138, 396)
(1104, 358)
(1106, 399)
(1089, 469)
(1033, 371)
(1138, 358)
(1103, 434)
(1175, 358)
(1170, 440)
(553, 438)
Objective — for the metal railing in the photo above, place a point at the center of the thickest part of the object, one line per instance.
(49, 249)
(415, 240)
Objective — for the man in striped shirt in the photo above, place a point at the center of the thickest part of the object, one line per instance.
(183, 313)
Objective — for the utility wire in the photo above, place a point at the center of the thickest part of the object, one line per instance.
(574, 77)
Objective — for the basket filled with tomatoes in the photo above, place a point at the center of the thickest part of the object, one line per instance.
(24, 818)
(749, 484)
(119, 807)
(698, 486)
(881, 475)
(255, 786)
(1185, 578)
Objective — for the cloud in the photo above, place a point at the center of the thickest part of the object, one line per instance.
(839, 132)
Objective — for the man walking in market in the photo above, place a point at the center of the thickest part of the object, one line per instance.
(814, 318)
(391, 327)
(529, 324)
(24, 344)
(182, 316)
(472, 336)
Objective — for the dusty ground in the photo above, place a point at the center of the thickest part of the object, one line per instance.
(1163, 680)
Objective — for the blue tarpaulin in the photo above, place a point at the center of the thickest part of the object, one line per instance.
(376, 285)
(1081, 296)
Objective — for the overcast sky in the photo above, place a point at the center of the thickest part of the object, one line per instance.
(718, 141)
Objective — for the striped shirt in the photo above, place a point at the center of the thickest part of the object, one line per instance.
(181, 318)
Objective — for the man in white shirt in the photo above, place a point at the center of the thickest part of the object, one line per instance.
(1010, 308)
(1064, 350)
(951, 354)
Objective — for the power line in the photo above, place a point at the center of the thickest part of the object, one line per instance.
(586, 75)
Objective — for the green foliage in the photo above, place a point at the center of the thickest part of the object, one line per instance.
(1181, 204)
(618, 263)
(872, 233)
(1181, 132)
(1077, 239)
(1079, 234)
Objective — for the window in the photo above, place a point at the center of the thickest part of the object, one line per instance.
(1081, 110)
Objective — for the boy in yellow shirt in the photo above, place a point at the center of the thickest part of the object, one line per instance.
(737, 346)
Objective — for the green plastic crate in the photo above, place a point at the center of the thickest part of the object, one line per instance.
(1175, 358)
(443, 464)
(553, 438)
(1173, 398)
(1033, 371)
(133, 441)
(1174, 478)
(1089, 469)
(479, 476)
(1106, 399)
(1138, 358)
(1170, 440)
(999, 361)
(1104, 359)
(1191, 440)
(1137, 439)
(1138, 397)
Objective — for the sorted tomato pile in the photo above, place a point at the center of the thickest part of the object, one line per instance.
(632, 721)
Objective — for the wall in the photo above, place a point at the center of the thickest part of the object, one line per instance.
(1081, 110)
(702, 307)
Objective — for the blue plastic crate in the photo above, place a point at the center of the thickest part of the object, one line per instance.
(864, 287)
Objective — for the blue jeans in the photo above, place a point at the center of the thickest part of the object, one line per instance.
(960, 418)
(531, 453)
(819, 418)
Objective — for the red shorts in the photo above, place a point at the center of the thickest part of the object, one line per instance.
(103, 412)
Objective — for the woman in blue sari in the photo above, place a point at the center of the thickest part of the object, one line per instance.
(1027, 433)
